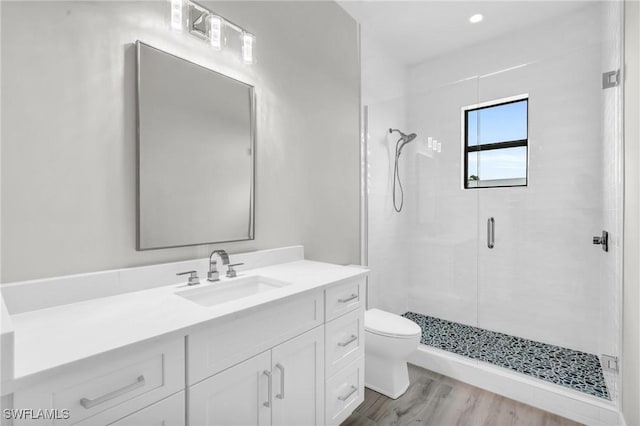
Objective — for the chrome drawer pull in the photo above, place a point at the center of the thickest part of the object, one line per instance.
(349, 340)
(90, 403)
(351, 392)
(281, 368)
(348, 299)
(270, 381)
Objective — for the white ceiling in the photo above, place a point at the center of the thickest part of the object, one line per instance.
(413, 31)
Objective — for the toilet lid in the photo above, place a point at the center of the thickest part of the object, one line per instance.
(388, 324)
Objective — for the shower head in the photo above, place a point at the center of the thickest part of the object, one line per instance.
(404, 138)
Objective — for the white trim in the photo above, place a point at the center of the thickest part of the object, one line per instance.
(492, 102)
(573, 405)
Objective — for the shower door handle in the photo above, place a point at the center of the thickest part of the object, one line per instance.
(491, 232)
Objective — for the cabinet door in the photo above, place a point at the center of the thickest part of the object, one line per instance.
(168, 412)
(236, 396)
(298, 380)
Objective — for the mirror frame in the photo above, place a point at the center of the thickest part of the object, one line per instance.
(252, 118)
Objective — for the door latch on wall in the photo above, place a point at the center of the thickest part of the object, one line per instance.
(603, 240)
(610, 79)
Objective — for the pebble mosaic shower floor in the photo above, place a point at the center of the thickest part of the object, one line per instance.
(565, 367)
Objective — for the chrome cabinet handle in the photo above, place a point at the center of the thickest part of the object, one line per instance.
(351, 392)
(281, 368)
(90, 403)
(270, 386)
(349, 340)
(348, 299)
(491, 232)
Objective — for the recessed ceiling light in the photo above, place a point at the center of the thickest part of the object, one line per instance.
(476, 18)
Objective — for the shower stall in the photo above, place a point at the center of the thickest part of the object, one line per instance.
(512, 187)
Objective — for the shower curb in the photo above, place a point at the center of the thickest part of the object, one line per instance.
(564, 402)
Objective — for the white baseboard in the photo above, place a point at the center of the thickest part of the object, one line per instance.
(567, 403)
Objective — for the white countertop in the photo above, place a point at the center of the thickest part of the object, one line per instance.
(52, 337)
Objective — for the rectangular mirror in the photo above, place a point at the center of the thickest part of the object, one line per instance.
(196, 143)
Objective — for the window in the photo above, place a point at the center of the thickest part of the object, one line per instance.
(496, 144)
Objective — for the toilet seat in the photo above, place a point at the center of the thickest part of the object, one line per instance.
(390, 325)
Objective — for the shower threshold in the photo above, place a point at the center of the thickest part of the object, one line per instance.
(576, 370)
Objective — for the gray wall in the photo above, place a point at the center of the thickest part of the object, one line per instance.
(631, 308)
(68, 134)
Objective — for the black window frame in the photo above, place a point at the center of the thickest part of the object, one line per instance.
(495, 145)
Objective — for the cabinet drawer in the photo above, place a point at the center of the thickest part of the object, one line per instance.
(129, 379)
(344, 297)
(344, 392)
(168, 412)
(212, 349)
(344, 341)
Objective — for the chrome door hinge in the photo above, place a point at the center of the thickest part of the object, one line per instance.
(610, 79)
(603, 240)
(609, 363)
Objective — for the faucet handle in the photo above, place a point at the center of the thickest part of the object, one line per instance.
(213, 274)
(231, 273)
(193, 277)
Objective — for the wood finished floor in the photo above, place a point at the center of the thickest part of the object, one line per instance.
(437, 400)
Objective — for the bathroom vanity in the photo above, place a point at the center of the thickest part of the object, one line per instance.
(281, 344)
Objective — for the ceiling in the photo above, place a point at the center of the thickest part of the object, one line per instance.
(414, 31)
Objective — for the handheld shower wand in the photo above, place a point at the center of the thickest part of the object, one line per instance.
(404, 139)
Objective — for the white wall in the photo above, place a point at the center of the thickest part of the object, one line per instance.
(68, 134)
(631, 309)
(542, 280)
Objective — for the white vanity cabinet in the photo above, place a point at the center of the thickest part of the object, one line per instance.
(168, 412)
(235, 396)
(294, 360)
(282, 386)
(298, 380)
(344, 349)
(104, 389)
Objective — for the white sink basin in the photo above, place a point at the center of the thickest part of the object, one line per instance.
(211, 294)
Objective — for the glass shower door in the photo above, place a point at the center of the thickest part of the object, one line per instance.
(442, 215)
(542, 284)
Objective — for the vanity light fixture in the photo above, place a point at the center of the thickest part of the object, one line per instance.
(205, 24)
(199, 21)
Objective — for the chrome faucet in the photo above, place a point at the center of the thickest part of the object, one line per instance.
(213, 274)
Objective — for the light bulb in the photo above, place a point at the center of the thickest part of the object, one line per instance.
(176, 15)
(248, 41)
(215, 32)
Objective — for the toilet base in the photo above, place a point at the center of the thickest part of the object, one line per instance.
(389, 379)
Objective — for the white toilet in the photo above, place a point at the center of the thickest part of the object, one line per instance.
(389, 340)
